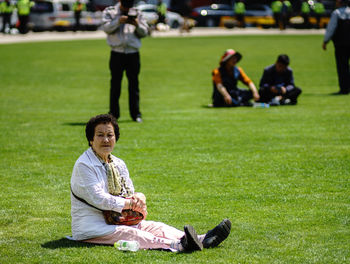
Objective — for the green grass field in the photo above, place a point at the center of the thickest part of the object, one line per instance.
(280, 174)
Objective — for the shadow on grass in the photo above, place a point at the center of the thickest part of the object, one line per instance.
(66, 243)
(75, 124)
(84, 123)
(322, 94)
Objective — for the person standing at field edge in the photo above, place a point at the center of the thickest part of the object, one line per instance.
(125, 27)
(6, 9)
(338, 30)
(161, 12)
(286, 12)
(23, 11)
(319, 12)
(78, 7)
(239, 12)
(305, 13)
(276, 7)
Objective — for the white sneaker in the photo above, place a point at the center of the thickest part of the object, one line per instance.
(138, 120)
(274, 101)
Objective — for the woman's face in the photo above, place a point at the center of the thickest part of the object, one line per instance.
(231, 62)
(104, 140)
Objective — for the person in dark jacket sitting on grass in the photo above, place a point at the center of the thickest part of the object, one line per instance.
(277, 83)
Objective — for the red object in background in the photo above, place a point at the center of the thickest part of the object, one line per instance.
(197, 3)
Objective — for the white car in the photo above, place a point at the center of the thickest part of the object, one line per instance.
(59, 15)
(149, 11)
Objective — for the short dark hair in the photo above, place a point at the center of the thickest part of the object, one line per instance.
(127, 3)
(100, 119)
(283, 58)
(345, 2)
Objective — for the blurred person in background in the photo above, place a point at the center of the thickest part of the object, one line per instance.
(276, 7)
(305, 13)
(338, 30)
(78, 7)
(23, 11)
(6, 9)
(124, 26)
(101, 182)
(286, 12)
(161, 11)
(240, 12)
(225, 79)
(184, 8)
(277, 84)
(319, 12)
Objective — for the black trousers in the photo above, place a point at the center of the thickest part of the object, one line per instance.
(77, 16)
(130, 63)
(23, 24)
(342, 58)
(277, 18)
(240, 97)
(6, 19)
(266, 95)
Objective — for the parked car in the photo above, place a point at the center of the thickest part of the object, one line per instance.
(258, 10)
(149, 11)
(210, 16)
(59, 15)
(257, 15)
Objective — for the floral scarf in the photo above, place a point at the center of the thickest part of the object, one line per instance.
(116, 184)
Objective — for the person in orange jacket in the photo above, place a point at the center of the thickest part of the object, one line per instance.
(225, 79)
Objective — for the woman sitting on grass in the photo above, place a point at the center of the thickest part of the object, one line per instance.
(225, 80)
(100, 182)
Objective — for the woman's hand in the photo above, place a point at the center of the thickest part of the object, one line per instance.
(137, 203)
(228, 99)
(256, 96)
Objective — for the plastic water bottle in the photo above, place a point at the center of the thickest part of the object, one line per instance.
(261, 105)
(126, 245)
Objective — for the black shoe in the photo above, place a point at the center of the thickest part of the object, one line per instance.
(218, 234)
(190, 240)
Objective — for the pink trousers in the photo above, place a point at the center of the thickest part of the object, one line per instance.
(150, 235)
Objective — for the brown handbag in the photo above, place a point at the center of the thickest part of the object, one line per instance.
(126, 217)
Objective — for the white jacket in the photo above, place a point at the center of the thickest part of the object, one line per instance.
(123, 38)
(89, 182)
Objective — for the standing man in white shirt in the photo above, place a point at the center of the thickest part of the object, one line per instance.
(125, 27)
